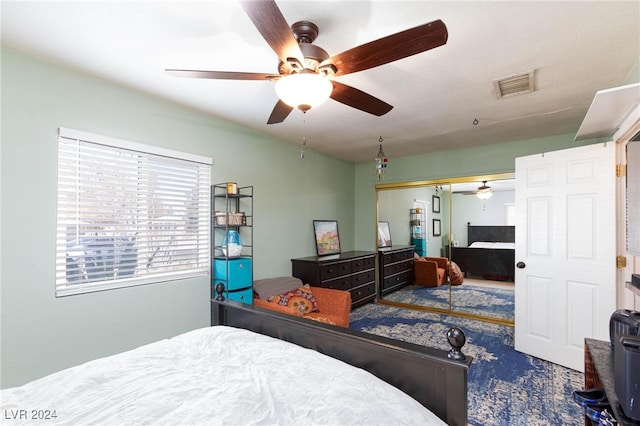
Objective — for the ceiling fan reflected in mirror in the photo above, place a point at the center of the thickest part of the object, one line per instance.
(306, 72)
(484, 192)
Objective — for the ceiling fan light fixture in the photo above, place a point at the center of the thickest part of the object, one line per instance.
(484, 192)
(304, 90)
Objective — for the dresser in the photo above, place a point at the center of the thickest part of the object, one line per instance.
(353, 271)
(396, 268)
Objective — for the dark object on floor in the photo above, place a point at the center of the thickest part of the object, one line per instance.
(593, 411)
(589, 396)
(627, 375)
(606, 419)
(456, 277)
(623, 322)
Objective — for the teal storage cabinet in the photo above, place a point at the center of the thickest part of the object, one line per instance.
(421, 246)
(236, 276)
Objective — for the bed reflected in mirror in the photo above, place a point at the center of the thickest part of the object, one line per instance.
(463, 238)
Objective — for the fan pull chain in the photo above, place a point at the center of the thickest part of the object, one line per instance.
(304, 134)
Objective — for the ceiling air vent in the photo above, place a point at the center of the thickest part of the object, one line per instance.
(514, 84)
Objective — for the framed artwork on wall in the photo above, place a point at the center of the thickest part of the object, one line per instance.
(384, 234)
(435, 204)
(327, 237)
(436, 228)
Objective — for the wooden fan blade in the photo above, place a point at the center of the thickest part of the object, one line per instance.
(358, 99)
(222, 75)
(270, 22)
(391, 48)
(279, 113)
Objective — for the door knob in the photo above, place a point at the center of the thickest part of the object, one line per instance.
(520, 265)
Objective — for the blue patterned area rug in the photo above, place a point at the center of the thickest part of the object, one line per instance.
(470, 299)
(505, 387)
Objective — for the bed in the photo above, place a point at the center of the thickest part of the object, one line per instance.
(243, 370)
(490, 253)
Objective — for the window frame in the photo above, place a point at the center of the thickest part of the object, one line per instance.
(187, 175)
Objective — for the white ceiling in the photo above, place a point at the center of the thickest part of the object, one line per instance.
(575, 47)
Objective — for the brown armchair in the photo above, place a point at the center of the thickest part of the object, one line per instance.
(430, 271)
(334, 306)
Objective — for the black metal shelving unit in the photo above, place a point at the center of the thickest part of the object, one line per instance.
(232, 210)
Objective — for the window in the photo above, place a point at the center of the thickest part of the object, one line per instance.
(128, 214)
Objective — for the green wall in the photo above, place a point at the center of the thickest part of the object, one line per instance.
(498, 158)
(41, 333)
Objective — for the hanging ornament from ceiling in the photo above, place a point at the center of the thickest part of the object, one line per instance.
(381, 162)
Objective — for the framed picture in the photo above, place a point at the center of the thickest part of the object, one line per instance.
(327, 237)
(384, 234)
(436, 228)
(435, 204)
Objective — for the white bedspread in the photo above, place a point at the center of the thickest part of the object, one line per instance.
(215, 375)
(481, 244)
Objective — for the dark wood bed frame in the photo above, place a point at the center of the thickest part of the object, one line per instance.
(487, 263)
(426, 374)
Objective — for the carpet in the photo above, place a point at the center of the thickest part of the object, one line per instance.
(471, 299)
(506, 387)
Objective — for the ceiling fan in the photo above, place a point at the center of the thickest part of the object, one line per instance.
(310, 66)
(484, 191)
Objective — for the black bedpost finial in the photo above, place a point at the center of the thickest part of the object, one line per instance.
(219, 291)
(456, 339)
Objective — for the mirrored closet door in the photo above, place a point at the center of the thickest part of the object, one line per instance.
(463, 239)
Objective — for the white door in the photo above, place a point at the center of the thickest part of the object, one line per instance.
(565, 251)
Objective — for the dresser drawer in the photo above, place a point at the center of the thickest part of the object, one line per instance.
(392, 269)
(363, 292)
(363, 278)
(401, 255)
(408, 254)
(340, 283)
(328, 271)
(397, 279)
(344, 267)
(357, 265)
(370, 262)
(407, 265)
(363, 263)
(397, 256)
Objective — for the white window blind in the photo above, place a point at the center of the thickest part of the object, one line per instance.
(128, 214)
